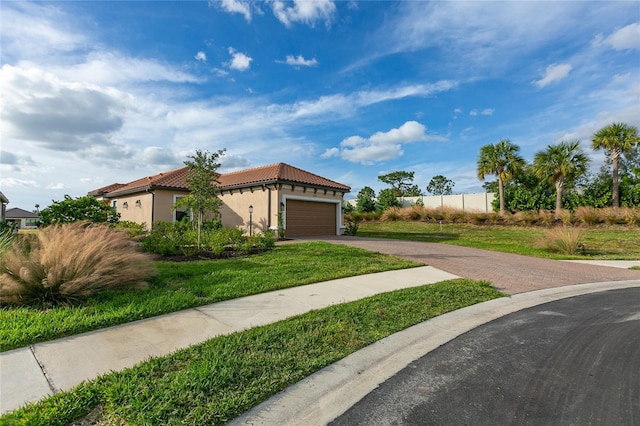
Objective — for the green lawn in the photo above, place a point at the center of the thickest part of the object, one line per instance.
(215, 381)
(602, 242)
(181, 285)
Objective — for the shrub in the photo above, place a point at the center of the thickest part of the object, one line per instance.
(351, 226)
(527, 218)
(562, 239)
(391, 214)
(69, 262)
(6, 239)
(133, 229)
(588, 215)
(631, 215)
(612, 216)
(415, 212)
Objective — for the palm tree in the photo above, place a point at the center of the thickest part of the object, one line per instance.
(615, 138)
(501, 159)
(559, 163)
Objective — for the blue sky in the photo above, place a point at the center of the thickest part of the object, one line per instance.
(100, 92)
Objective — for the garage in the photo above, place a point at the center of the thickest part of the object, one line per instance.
(310, 218)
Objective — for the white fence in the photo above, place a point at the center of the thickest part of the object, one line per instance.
(466, 202)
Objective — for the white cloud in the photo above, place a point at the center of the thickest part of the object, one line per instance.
(381, 146)
(13, 183)
(54, 186)
(486, 111)
(300, 61)
(331, 152)
(239, 61)
(38, 30)
(304, 11)
(235, 6)
(625, 38)
(201, 56)
(113, 68)
(553, 73)
(40, 108)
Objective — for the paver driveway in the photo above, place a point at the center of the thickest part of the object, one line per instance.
(510, 273)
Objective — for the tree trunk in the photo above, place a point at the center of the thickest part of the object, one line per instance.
(559, 187)
(615, 153)
(199, 227)
(501, 194)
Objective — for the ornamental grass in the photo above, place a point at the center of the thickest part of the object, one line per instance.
(62, 264)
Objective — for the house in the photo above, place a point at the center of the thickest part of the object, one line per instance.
(22, 218)
(309, 204)
(3, 202)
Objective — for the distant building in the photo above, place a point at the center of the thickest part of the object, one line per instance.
(22, 218)
(4, 200)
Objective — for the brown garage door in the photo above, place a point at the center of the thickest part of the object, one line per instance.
(310, 218)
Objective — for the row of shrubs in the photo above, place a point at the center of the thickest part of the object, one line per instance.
(180, 238)
(62, 264)
(582, 216)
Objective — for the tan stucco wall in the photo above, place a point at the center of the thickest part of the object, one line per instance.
(235, 210)
(135, 213)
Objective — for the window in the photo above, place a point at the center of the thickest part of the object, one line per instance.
(180, 212)
(114, 204)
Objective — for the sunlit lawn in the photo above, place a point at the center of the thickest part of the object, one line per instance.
(601, 242)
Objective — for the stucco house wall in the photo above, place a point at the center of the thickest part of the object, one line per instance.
(267, 189)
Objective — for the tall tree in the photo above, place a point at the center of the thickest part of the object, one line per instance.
(502, 160)
(615, 138)
(386, 199)
(440, 185)
(559, 163)
(365, 201)
(202, 179)
(401, 182)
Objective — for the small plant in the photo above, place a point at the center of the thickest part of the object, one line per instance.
(565, 240)
(612, 216)
(133, 229)
(351, 226)
(588, 215)
(6, 239)
(391, 214)
(65, 263)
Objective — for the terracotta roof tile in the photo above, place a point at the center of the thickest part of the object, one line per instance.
(171, 179)
(280, 172)
(106, 189)
(176, 179)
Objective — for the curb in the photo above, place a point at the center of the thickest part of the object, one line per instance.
(328, 393)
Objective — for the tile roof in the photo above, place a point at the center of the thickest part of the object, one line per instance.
(280, 172)
(275, 173)
(174, 179)
(106, 189)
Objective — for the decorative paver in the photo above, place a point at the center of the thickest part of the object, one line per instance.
(510, 273)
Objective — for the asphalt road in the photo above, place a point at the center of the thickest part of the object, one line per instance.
(574, 361)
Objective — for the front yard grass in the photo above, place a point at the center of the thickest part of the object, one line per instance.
(182, 285)
(216, 381)
(600, 242)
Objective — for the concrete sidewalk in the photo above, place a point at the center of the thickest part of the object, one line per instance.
(34, 372)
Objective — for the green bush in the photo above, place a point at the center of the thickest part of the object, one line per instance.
(65, 263)
(352, 225)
